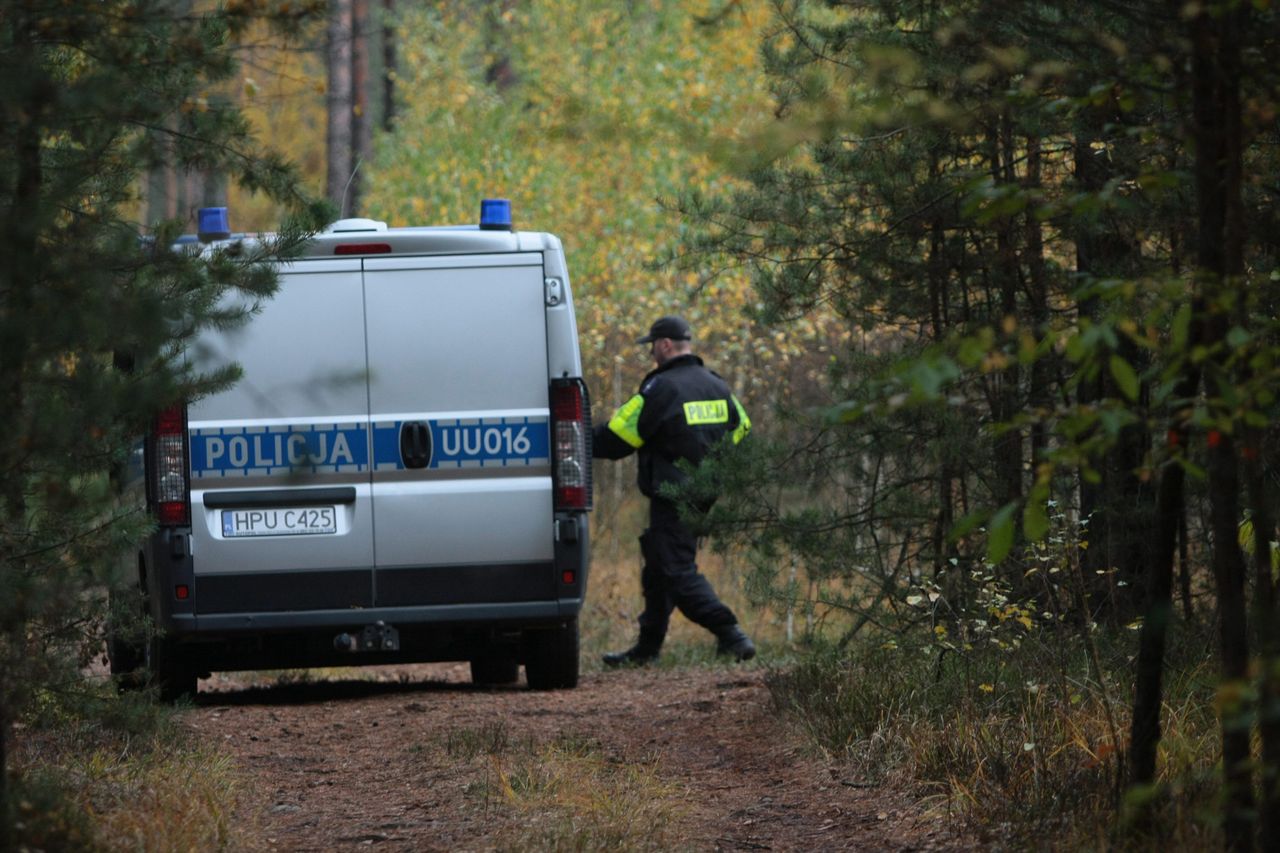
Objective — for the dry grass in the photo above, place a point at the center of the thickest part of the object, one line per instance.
(1018, 751)
(565, 793)
(123, 779)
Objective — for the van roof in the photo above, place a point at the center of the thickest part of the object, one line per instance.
(365, 237)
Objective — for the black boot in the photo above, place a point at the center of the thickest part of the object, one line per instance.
(733, 643)
(640, 654)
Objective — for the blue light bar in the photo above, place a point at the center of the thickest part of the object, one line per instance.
(495, 214)
(212, 223)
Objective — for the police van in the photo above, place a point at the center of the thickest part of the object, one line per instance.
(402, 474)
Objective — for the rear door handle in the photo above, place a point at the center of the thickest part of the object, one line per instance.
(415, 444)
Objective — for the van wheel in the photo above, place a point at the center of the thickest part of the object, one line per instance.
(169, 671)
(127, 658)
(494, 668)
(126, 642)
(551, 657)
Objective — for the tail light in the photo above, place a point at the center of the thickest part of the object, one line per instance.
(167, 487)
(570, 444)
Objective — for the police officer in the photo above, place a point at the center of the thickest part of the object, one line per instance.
(681, 412)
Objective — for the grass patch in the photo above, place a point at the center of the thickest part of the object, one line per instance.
(488, 739)
(565, 793)
(96, 771)
(1022, 745)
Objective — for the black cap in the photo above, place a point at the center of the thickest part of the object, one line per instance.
(671, 326)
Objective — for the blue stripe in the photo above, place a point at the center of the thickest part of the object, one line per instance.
(302, 448)
(500, 442)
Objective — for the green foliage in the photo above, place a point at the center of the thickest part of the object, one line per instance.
(609, 112)
(45, 815)
(961, 182)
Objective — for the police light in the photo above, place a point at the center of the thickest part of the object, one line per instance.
(495, 214)
(212, 223)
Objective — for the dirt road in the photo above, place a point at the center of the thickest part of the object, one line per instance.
(640, 759)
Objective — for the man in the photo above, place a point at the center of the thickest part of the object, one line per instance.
(681, 412)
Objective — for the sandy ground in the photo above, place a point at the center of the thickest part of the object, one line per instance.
(419, 759)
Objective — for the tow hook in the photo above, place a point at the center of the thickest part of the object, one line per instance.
(378, 637)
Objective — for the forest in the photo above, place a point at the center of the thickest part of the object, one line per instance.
(998, 282)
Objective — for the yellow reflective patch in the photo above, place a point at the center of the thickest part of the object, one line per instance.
(744, 422)
(625, 421)
(698, 412)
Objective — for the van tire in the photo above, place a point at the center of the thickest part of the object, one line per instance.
(127, 657)
(494, 668)
(126, 642)
(172, 676)
(551, 657)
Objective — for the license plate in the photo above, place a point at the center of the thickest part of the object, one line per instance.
(279, 521)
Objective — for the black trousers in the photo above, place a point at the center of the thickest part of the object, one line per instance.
(671, 579)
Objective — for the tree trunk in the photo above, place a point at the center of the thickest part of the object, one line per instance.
(1229, 574)
(6, 842)
(16, 300)
(1184, 566)
(361, 120)
(162, 189)
(939, 324)
(338, 139)
(501, 71)
(1148, 683)
(388, 65)
(1268, 641)
(1038, 394)
(1119, 506)
(1215, 89)
(1008, 444)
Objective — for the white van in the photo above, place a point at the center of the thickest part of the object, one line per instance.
(402, 474)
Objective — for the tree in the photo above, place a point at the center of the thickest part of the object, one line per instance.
(389, 65)
(1053, 229)
(95, 310)
(349, 140)
(340, 104)
(361, 115)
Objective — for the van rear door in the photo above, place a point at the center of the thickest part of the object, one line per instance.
(458, 399)
(280, 489)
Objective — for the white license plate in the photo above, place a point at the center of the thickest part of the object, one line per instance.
(279, 521)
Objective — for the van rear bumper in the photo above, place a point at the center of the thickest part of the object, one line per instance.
(515, 613)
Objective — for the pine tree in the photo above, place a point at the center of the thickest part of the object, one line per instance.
(95, 309)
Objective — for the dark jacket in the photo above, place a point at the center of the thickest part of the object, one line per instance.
(681, 411)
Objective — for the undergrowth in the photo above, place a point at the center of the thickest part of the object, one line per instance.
(1021, 744)
(95, 771)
